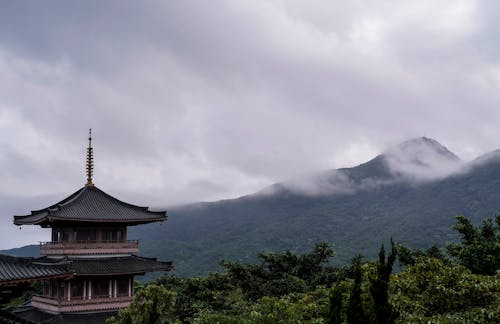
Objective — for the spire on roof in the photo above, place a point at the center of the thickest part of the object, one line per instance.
(90, 160)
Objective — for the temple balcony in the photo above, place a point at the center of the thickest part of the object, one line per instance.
(89, 247)
(96, 303)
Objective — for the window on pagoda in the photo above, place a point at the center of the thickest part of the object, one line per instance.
(122, 286)
(100, 288)
(85, 235)
(46, 288)
(57, 235)
(77, 289)
(50, 288)
(113, 235)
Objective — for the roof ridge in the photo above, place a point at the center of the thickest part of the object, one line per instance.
(123, 202)
(60, 203)
(76, 195)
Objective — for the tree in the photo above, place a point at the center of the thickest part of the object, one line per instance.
(335, 306)
(432, 291)
(355, 313)
(379, 289)
(152, 304)
(408, 256)
(282, 273)
(479, 247)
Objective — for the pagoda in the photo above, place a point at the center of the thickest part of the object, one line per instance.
(89, 233)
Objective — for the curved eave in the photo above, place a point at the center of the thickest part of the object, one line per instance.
(29, 219)
(158, 266)
(53, 219)
(22, 280)
(59, 211)
(142, 272)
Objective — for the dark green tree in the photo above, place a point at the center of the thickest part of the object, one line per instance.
(408, 256)
(152, 304)
(335, 306)
(355, 313)
(195, 294)
(282, 273)
(379, 287)
(479, 247)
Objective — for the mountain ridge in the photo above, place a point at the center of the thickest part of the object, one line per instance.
(417, 211)
(379, 203)
(418, 159)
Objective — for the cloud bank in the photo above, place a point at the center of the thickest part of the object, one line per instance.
(202, 100)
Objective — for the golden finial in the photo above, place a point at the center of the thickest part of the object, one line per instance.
(90, 160)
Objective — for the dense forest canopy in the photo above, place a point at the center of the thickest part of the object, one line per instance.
(459, 283)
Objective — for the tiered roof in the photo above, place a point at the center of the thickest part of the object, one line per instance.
(15, 270)
(90, 204)
(131, 264)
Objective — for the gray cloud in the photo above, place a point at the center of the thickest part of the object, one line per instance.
(198, 100)
(422, 160)
(413, 162)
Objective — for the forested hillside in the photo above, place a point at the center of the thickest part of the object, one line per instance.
(456, 284)
(378, 203)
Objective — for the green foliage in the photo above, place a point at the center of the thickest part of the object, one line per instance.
(407, 256)
(297, 288)
(152, 304)
(213, 292)
(334, 315)
(15, 296)
(355, 312)
(294, 308)
(232, 291)
(477, 315)
(282, 273)
(479, 249)
(432, 288)
(379, 288)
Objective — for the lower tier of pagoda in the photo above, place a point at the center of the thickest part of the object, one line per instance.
(85, 294)
(96, 284)
(80, 305)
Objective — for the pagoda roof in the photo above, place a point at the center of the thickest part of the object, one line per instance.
(90, 204)
(15, 270)
(103, 266)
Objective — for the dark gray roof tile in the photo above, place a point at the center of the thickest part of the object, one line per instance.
(13, 270)
(90, 204)
(132, 264)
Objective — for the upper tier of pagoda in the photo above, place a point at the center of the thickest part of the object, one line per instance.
(90, 204)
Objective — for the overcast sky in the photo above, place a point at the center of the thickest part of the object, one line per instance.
(203, 100)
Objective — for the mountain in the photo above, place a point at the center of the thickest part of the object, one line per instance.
(410, 193)
(416, 160)
(24, 251)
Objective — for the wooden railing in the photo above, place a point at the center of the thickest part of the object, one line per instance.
(89, 247)
(76, 304)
